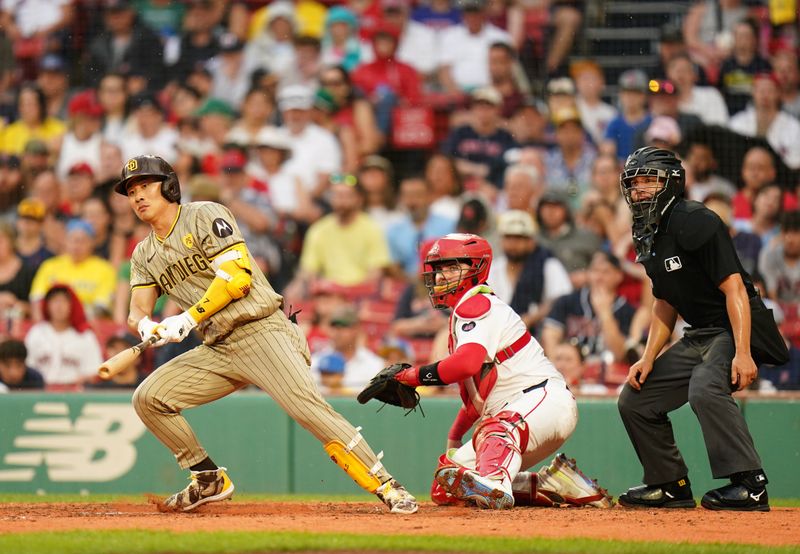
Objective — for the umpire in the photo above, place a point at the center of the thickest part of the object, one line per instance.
(689, 256)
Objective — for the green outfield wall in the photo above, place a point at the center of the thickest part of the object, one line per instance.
(69, 443)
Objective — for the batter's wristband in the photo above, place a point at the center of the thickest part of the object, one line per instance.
(429, 375)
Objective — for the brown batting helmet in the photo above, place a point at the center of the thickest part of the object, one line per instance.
(152, 167)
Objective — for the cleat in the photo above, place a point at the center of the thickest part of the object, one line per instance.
(468, 485)
(564, 484)
(736, 497)
(397, 498)
(677, 494)
(206, 486)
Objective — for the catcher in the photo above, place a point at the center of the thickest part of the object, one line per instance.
(523, 408)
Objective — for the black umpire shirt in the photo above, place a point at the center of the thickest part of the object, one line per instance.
(692, 254)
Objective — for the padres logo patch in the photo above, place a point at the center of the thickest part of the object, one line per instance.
(188, 240)
(132, 165)
(221, 228)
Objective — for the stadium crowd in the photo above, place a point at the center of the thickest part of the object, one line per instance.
(345, 137)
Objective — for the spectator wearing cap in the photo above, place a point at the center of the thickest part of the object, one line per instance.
(633, 117)
(15, 278)
(594, 317)
(152, 135)
(387, 81)
(376, 175)
(590, 82)
(704, 102)
(786, 70)
(231, 70)
(479, 147)
(464, 49)
(346, 246)
(474, 217)
(569, 161)
(738, 71)
(272, 46)
(32, 123)
(351, 110)
(396, 351)
(315, 152)
(560, 94)
(525, 275)
(308, 18)
(507, 77)
(346, 340)
(113, 98)
(78, 186)
(125, 45)
(14, 373)
(417, 225)
(571, 244)
(530, 125)
(130, 376)
(252, 209)
(198, 42)
(341, 44)
(29, 242)
(81, 144)
(764, 118)
(664, 103)
(417, 44)
(54, 82)
(62, 346)
(215, 119)
(92, 278)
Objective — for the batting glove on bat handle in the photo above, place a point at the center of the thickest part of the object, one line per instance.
(148, 329)
(176, 328)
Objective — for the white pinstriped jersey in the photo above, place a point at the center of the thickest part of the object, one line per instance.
(180, 265)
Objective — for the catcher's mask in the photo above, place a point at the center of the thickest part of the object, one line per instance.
(649, 202)
(455, 248)
(142, 168)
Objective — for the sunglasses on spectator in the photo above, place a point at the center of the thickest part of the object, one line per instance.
(344, 179)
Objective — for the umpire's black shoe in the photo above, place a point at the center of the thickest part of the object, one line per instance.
(677, 494)
(747, 492)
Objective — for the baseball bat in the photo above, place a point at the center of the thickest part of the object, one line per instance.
(120, 361)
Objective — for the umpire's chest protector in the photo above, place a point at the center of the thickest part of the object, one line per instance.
(691, 255)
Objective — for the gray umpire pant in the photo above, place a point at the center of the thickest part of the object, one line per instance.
(696, 369)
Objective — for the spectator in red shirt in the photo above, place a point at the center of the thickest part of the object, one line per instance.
(387, 74)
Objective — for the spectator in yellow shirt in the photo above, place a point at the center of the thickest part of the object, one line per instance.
(92, 278)
(33, 123)
(345, 247)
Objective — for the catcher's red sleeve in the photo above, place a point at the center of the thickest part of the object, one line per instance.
(461, 424)
(462, 364)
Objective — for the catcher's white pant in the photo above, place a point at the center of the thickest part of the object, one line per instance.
(551, 415)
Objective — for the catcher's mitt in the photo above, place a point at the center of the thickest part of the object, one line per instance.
(386, 388)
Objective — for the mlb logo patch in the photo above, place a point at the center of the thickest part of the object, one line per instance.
(673, 263)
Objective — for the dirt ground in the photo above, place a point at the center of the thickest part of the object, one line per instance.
(781, 526)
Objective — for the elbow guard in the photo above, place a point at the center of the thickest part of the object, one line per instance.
(233, 267)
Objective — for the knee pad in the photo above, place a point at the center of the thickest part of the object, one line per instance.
(505, 424)
(343, 456)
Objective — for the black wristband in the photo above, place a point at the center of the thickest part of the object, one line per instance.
(429, 375)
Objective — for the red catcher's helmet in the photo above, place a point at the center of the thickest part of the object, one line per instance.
(456, 247)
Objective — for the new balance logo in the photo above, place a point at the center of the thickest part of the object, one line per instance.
(757, 497)
(98, 446)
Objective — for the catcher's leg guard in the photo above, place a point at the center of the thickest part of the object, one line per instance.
(499, 443)
(438, 494)
(345, 458)
(565, 485)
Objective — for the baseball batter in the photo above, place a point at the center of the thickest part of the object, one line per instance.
(196, 254)
(523, 408)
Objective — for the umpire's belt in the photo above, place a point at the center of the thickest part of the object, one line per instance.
(515, 347)
(534, 387)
